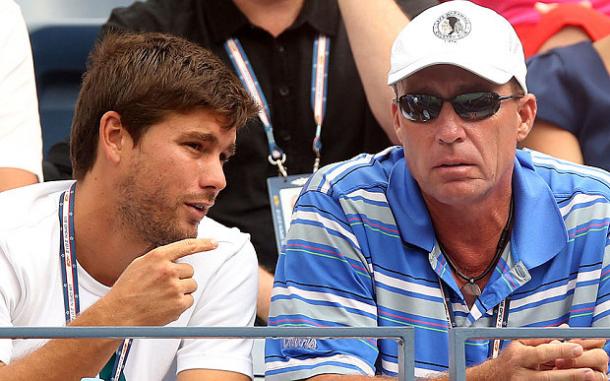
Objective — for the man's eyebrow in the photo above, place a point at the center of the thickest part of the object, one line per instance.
(473, 87)
(203, 136)
(209, 138)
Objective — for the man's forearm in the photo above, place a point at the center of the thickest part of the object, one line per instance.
(14, 177)
(265, 286)
(372, 27)
(65, 359)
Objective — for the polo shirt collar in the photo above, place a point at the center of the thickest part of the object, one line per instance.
(539, 231)
(225, 19)
(407, 204)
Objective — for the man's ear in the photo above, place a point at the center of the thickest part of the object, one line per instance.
(527, 115)
(114, 139)
(396, 120)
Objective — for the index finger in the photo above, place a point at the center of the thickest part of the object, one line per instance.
(549, 352)
(589, 343)
(179, 249)
(535, 341)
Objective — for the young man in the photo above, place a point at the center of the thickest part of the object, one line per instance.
(279, 40)
(128, 243)
(453, 229)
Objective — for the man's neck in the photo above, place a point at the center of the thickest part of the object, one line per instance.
(470, 234)
(103, 247)
(274, 16)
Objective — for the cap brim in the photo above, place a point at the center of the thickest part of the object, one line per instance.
(486, 71)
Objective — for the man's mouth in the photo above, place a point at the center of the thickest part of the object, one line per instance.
(200, 206)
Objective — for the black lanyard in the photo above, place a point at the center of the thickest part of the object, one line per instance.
(500, 314)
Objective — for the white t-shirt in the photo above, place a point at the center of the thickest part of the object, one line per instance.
(20, 136)
(31, 289)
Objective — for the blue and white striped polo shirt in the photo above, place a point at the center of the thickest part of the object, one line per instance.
(361, 251)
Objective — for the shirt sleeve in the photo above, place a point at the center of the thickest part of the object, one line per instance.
(20, 136)
(229, 300)
(9, 295)
(321, 280)
(149, 16)
(559, 81)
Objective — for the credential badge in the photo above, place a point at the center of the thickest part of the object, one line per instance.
(451, 26)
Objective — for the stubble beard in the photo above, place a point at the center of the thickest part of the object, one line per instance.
(148, 212)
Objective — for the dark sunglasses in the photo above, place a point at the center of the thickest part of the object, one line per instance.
(422, 108)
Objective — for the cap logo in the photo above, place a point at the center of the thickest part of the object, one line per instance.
(451, 26)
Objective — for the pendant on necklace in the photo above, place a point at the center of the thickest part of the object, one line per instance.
(471, 288)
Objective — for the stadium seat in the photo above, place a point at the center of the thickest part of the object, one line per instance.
(60, 54)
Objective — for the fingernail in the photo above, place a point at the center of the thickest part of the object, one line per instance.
(214, 242)
(577, 350)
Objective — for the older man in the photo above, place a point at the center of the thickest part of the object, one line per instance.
(453, 229)
(155, 121)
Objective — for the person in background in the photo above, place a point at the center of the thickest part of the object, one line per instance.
(155, 121)
(456, 228)
(544, 25)
(278, 38)
(572, 85)
(20, 137)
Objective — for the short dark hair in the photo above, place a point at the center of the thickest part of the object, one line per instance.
(145, 77)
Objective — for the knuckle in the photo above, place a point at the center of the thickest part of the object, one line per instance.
(189, 243)
(155, 253)
(175, 289)
(546, 377)
(167, 272)
(538, 355)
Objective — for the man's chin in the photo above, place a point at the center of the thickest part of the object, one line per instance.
(175, 236)
(459, 193)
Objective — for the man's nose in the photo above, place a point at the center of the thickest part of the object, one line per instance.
(449, 126)
(213, 176)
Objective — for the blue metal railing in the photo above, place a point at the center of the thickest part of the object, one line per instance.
(405, 336)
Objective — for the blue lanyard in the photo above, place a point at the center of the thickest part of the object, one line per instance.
(69, 273)
(319, 85)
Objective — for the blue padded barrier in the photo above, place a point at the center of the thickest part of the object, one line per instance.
(60, 54)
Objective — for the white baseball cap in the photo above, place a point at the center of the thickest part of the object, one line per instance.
(462, 34)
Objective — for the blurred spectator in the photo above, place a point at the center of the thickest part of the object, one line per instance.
(543, 25)
(20, 139)
(572, 86)
(278, 38)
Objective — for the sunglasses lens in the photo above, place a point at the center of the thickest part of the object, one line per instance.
(420, 107)
(476, 106)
